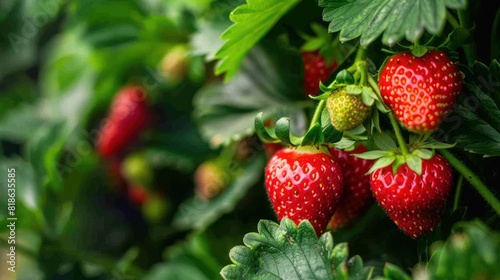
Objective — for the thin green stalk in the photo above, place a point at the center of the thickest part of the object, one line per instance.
(317, 113)
(394, 122)
(458, 192)
(452, 20)
(399, 136)
(468, 174)
(360, 57)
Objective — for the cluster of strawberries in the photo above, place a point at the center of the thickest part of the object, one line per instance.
(129, 115)
(331, 188)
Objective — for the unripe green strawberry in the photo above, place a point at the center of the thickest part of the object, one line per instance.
(210, 179)
(304, 183)
(346, 111)
(420, 90)
(136, 170)
(155, 208)
(175, 63)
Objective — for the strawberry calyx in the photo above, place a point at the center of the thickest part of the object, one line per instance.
(421, 147)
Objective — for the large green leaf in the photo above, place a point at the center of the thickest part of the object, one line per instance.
(67, 60)
(472, 251)
(251, 22)
(206, 40)
(395, 19)
(268, 84)
(474, 124)
(190, 259)
(197, 214)
(290, 251)
(23, 25)
(24, 190)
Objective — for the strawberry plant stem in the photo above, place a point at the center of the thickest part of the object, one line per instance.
(399, 136)
(473, 179)
(317, 113)
(360, 57)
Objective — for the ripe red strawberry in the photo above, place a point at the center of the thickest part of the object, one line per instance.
(304, 183)
(357, 197)
(420, 90)
(128, 115)
(315, 70)
(346, 111)
(416, 203)
(137, 194)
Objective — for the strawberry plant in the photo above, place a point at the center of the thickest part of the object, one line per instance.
(250, 139)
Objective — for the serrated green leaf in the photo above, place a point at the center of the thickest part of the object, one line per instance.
(355, 264)
(196, 214)
(340, 253)
(395, 19)
(363, 274)
(206, 39)
(226, 112)
(251, 22)
(474, 124)
(283, 251)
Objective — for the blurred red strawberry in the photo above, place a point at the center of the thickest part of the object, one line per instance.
(316, 70)
(128, 115)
